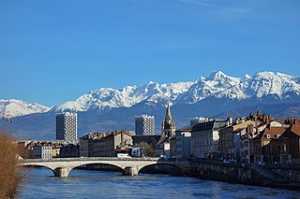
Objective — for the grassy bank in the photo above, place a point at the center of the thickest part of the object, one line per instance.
(9, 177)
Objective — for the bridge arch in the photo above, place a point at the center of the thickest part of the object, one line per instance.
(161, 168)
(35, 165)
(104, 165)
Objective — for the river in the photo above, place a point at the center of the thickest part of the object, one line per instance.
(39, 184)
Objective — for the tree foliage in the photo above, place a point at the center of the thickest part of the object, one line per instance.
(148, 149)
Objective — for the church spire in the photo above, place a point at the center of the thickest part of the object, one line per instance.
(168, 129)
(168, 121)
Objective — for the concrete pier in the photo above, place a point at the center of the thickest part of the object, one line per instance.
(131, 171)
(62, 172)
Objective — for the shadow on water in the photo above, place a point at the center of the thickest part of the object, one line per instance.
(98, 167)
(161, 169)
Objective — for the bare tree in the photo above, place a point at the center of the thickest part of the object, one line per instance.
(9, 177)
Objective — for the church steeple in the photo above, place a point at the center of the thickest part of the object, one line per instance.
(167, 132)
(168, 122)
(168, 126)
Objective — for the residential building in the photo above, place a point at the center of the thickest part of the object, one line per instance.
(230, 138)
(149, 139)
(144, 125)
(107, 145)
(270, 144)
(84, 142)
(290, 144)
(197, 120)
(43, 149)
(84, 147)
(42, 152)
(56, 150)
(205, 139)
(259, 141)
(172, 149)
(66, 127)
(69, 151)
(181, 147)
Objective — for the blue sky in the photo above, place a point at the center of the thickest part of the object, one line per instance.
(52, 51)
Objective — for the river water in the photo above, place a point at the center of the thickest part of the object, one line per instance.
(39, 183)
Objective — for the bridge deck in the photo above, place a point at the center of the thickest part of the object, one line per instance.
(89, 159)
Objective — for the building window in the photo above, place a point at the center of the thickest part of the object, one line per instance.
(284, 148)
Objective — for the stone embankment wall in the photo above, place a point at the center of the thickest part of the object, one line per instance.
(232, 173)
(290, 174)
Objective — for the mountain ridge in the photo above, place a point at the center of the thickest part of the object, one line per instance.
(217, 95)
(217, 84)
(10, 108)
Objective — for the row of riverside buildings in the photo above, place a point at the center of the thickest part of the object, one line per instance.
(255, 139)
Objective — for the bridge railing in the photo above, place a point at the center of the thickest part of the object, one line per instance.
(89, 159)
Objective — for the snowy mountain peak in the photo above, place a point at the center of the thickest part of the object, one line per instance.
(125, 97)
(216, 75)
(222, 78)
(271, 83)
(12, 108)
(217, 85)
(247, 77)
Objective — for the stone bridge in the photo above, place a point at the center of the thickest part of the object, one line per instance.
(61, 167)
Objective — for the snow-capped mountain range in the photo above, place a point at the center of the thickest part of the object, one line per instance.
(13, 108)
(106, 98)
(106, 109)
(217, 84)
(262, 84)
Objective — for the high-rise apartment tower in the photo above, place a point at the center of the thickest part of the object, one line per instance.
(144, 125)
(66, 127)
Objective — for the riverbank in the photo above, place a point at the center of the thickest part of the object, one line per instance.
(288, 178)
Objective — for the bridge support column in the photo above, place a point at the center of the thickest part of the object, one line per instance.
(131, 171)
(62, 172)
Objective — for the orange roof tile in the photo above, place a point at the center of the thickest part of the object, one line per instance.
(274, 132)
